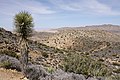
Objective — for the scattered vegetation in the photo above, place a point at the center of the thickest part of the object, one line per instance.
(5, 64)
(44, 54)
(82, 64)
(50, 70)
(9, 53)
(116, 70)
(113, 77)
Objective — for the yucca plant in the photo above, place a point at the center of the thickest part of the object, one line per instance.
(23, 23)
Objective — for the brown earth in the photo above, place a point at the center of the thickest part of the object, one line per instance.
(8, 74)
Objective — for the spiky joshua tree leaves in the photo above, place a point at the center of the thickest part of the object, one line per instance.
(23, 23)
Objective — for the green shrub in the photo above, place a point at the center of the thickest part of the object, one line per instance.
(9, 53)
(82, 64)
(50, 70)
(44, 54)
(5, 64)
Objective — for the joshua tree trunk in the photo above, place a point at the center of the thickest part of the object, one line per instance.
(24, 57)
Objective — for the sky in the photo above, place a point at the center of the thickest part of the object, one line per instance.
(49, 14)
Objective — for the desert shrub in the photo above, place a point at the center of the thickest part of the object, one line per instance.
(5, 64)
(9, 53)
(116, 64)
(86, 53)
(116, 77)
(56, 50)
(113, 77)
(50, 70)
(116, 70)
(101, 60)
(82, 64)
(44, 54)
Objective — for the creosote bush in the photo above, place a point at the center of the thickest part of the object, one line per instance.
(82, 64)
(116, 70)
(9, 53)
(50, 70)
(44, 54)
(5, 64)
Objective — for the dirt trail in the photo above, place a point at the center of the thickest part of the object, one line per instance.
(7, 74)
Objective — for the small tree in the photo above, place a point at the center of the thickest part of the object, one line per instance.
(23, 23)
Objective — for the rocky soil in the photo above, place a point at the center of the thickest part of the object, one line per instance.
(7, 74)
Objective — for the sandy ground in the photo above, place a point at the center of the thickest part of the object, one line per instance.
(50, 31)
(7, 74)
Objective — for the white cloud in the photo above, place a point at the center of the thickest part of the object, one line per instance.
(10, 7)
(88, 6)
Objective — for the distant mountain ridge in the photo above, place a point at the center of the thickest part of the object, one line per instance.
(107, 27)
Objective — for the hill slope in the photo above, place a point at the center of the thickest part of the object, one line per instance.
(99, 42)
(50, 49)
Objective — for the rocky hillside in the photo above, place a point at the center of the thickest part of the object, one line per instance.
(38, 52)
(50, 49)
(92, 41)
(100, 42)
(82, 40)
(8, 40)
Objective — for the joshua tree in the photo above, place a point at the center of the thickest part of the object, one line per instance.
(23, 23)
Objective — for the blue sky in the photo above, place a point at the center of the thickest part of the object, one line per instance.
(49, 14)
